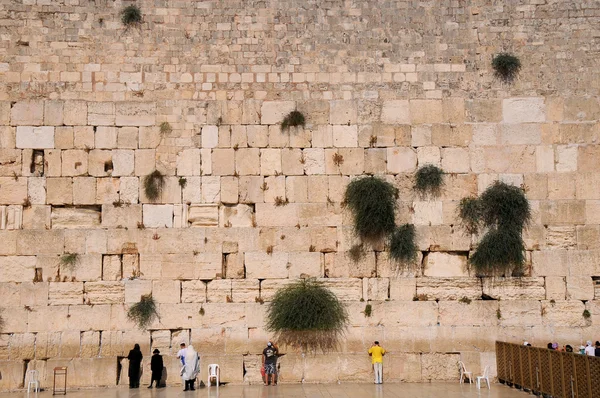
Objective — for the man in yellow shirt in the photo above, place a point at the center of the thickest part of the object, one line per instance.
(376, 352)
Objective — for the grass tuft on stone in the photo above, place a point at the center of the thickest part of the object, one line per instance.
(293, 119)
(143, 312)
(403, 248)
(506, 66)
(69, 261)
(153, 185)
(372, 201)
(505, 206)
(469, 212)
(131, 15)
(308, 316)
(429, 180)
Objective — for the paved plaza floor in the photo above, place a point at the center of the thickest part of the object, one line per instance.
(390, 390)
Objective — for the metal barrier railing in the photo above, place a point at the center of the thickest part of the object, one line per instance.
(551, 373)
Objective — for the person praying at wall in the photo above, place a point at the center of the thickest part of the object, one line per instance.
(156, 366)
(191, 368)
(135, 366)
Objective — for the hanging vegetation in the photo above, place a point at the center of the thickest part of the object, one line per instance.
(293, 119)
(372, 201)
(307, 315)
(403, 248)
(503, 210)
(143, 312)
(153, 185)
(429, 179)
(131, 15)
(506, 66)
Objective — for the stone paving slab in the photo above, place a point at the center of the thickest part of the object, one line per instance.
(391, 390)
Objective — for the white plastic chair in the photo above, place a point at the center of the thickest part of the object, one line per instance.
(485, 376)
(214, 372)
(464, 372)
(33, 377)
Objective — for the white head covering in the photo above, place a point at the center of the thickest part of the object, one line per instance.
(589, 343)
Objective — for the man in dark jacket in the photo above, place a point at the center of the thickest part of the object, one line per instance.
(135, 366)
(156, 366)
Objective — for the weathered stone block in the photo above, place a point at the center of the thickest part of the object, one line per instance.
(395, 112)
(401, 160)
(135, 113)
(515, 289)
(73, 217)
(27, 113)
(203, 215)
(449, 288)
(273, 112)
(158, 216)
(523, 110)
(439, 264)
(65, 293)
(580, 287)
(101, 114)
(35, 137)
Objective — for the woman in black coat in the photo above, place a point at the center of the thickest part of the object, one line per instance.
(156, 366)
(135, 364)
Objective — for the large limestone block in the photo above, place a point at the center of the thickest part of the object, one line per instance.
(404, 367)
(74, 218)
(112, 268)
(561, 237)
(341, 265)
(426, 112)
(135, 289)
(428, 213)
(47, 319)
(395, 112)
(345, 136)
(346, 289)
(101, 113)
(437, 264)
(438, 366)
(313, 161)
(244, 291)
(74, 163)
(13, 191)
(39, 242)
(83, 372)
(87, 268)
(563, 314)
(53, 113)
(158, 216)
(342, 112)
(273, 112)
(449, 288)
(523, 110)
(12, 375)
(166, 291)
(403, 289)
(258, 136)
(89, 317)
(135, 113)
(401, 160)
(269, 215)
(10, 162)
(17, 268)
(35, 137)
(65, 293)
(562, 212)
(127, 216)
(515, 288)
(305, 265)
(34, 294)
(27, 113)
(376, 289)
(521, 134)
(520, 313)
(580, 287)
(455, 160)
(203, 215)
(218, 291)
(10, 293)
(190, 266)
(581, 108)
(105, 292)
(475, 313)
(555, 288)
(261, 265)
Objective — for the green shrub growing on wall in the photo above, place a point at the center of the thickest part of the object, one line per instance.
(429, 179)
(293, 119)
(143, 312)
(402, 244)
(503, 210)
(506, 66)
(153, 185)
(307, 315)
(372, 201)
(69, 261)
(131, 15)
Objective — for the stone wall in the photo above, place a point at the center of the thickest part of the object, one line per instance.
(387, 85)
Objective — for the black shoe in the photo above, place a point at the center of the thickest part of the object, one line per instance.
(149, 386)
(186, 389)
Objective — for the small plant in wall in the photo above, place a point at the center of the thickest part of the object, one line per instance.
(143, 312)
(502, 210)
(293, 119)
(587, 314)
(153, 185)
(131, 16)
(69, 261)
(307, 315)
(429, 180)
(506, 66)
(368, 310)
(372, 201)
(165, 128)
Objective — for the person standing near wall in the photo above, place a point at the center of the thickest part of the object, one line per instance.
(376, 352)
(156, 366)
(269, 363)
(191, 368)
(135, 366)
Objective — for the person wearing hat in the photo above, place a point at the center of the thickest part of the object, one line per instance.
(156, 366)
(589, 349)
(269, 363)
(376, 352)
